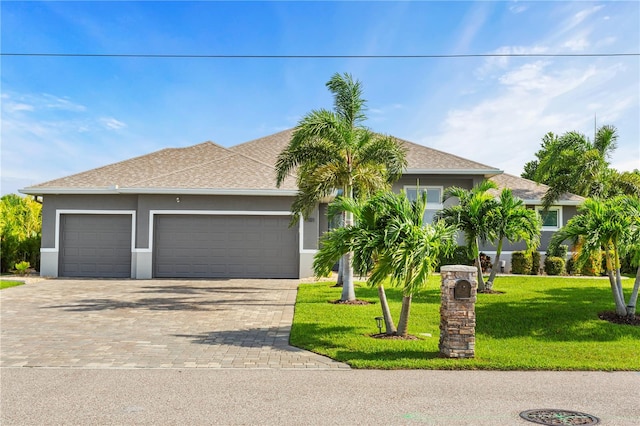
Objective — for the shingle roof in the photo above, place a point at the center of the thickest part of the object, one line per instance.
(250, 166)
(419, 157)
(202, 166)
(529, 190)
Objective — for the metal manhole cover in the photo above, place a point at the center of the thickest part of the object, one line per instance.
(559, 417)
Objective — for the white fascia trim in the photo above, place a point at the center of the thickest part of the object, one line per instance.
(557, 203)
(179, 191)
(152, 213)
(482, 172)
(71, 211)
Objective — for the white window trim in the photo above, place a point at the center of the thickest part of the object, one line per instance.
(430, 206)
(552, 208)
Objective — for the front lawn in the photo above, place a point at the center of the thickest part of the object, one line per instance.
(6, 284)
(538, 323)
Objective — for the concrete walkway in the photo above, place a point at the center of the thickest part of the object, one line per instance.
(152, 324)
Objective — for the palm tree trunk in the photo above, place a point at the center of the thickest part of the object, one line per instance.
(390, 327)
(496, 264)
(403, 322)
(348, 290)
(476, 250)
(616, 283)
(633, 300)
(340, 281)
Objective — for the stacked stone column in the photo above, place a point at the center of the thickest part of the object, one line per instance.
(458, 315)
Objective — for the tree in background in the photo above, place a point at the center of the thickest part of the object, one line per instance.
(389, 241)
(21, 227)
(472, 216)
(332, 151)
(610, 227)
(572, 163)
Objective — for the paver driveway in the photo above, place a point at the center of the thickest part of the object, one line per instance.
(152, 324)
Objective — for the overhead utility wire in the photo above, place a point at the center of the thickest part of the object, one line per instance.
(473, 55)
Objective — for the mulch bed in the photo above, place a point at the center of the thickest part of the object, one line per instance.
(490, 292)
(616, 319)
(394, 337)
(350, 302)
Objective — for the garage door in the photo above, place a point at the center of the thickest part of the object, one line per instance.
(211, 246)
(95, 245)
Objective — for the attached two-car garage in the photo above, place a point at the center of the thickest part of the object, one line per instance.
(184, 246)
(224, 246)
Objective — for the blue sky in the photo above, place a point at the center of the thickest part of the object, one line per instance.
(63, 115)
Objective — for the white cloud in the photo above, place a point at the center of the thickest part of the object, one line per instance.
(577, 44)
(55, 102)
(112, 123)
(498, 63)
(518, 8)
(580, 17)
(504, 129)
(16, 106)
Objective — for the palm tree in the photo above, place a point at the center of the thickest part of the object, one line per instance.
(390, 241)
(511, 220)
(331, 151)
(610, 227)
(572, 163)
(471, 216)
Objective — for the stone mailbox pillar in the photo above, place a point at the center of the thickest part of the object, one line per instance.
(458, 290)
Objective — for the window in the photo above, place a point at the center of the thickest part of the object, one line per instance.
(434, 199)
(551, 219)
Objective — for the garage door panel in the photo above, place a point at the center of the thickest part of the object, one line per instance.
(218, 246)
(95, 246)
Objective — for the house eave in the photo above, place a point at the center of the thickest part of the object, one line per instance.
(557, 203)
(186, 191)
(478, 172)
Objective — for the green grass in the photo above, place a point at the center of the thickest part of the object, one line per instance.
(6, 284)
(538, 323)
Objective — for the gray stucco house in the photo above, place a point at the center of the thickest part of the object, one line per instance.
(207, 211)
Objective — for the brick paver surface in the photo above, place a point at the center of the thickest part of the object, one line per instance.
(152, 324)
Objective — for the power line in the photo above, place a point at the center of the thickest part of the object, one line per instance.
(187, 56)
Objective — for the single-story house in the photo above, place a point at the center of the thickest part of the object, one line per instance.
(207, 211)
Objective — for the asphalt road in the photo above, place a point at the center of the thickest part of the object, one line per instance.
(47, 396)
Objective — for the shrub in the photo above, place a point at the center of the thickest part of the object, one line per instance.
(593, 267)
(459, 256)
(570, 266)
(560, 250)
(485, 262)
(20, 231)
(626, 265)
(22, 267)
(520, 263)
(553, 265)
(535, 263)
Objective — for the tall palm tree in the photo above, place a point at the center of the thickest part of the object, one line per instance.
(332, 151)
(391, 242)
(513, 221)
(573, 163)
(610, 227)
(471, 216)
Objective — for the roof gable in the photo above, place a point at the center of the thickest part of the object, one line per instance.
(419, 157)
